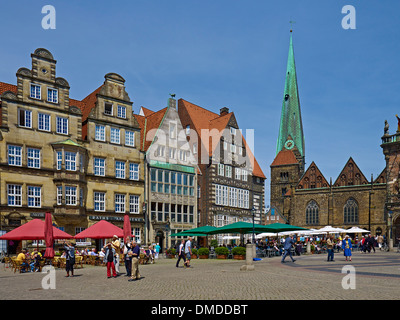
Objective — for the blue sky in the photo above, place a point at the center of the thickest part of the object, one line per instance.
(231, 53)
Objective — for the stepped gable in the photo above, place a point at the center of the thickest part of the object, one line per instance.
(312, 178)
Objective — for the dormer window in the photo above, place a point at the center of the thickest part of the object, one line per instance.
(108, 109)
(35, 91)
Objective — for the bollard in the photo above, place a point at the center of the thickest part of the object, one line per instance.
(308, 247)
(249, 266)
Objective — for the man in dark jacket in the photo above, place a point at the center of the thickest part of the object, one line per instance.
(288, 248)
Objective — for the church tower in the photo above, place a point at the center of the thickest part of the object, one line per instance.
(291, 135)
(288, 165)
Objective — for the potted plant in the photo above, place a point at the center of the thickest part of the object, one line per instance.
(194, 253)
(239, 253)
(171, 253)
(203, 253)
(222, 252)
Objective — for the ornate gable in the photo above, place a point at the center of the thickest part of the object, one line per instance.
(312, 178)
(350, 175)
(382, 177)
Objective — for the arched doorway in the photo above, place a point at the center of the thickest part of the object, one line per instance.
(160, 237)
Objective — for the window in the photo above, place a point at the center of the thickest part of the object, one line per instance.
(100, 133)
(172, 130)
(33, 156)
(237, 173)
(244, 174)
(59, 195)
(121, 112)
(115, 135)
(188, 130)
(35, 91)
(312, 213)
(70, 161)
(108, 109)
(62, 125)
(233, 148)
(195, 148)
(15, 155)
(14, 195)
(350, 212)
(99, 201)
(70, 195)
(25, 118)
(59, 160)
(52, 95)
(233, 131)
(134, 171)
(246, 201)
(218, 194)
(120, 169)
(44, 122)
(160, 151)
(99, 166)
(182, 155)
(129, 138)
(228, 171)
(240, 198)
(224, 195)
(221, 169)
(34, 197)
(133, 204)
(172, 153)
(119, 202)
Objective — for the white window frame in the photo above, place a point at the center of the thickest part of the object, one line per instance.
(27, 118)
(99, 166)
(100, 132)
(238, 173)
(33, 158)
(44, 122)
(112, 108)
(129, 138)
(37, 91)
(228, 171)
(244, 174)
(119, 169)
(70, 195)
(115, 136)
(35, 196)
(173, 130)
(133, 171)
(119, 202)
(70, 160)
(121, 112)
(62, 125)
(99, 199)
(59, 195)
(14, 193)
(52, 95)
(134, 204)
(14, 155)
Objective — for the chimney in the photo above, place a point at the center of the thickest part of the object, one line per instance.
(223, 111)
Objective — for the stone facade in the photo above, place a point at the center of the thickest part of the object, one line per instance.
(48, 147)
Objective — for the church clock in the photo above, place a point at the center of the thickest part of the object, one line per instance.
(289, 144)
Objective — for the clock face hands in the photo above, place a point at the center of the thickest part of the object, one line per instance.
(289, 144)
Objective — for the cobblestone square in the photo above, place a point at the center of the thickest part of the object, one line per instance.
(309, 277)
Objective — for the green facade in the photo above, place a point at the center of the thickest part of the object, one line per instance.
(291, 126)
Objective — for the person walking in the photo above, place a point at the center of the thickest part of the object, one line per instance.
(116, 244)
(157, 249)
(347, 246)
(69, 258)
(188, 252)
(127, 256)
(181, 254)
(109, 257)
(380, 241)
(288, 248)
(329, 246)
(135, 253)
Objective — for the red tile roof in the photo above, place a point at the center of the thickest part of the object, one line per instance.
(204, 119)
(7, 87)
(147, 123)
(284, 157)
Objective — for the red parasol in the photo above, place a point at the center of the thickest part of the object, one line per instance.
(101, 230)
(48, 236)
(127, 227)
(33, 230)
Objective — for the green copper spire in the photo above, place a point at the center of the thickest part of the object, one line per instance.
(291, 127)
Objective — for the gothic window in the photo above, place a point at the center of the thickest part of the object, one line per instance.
(319, 182)
(350, 212)
(312, 213)
(306, 183)
(357, 179)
